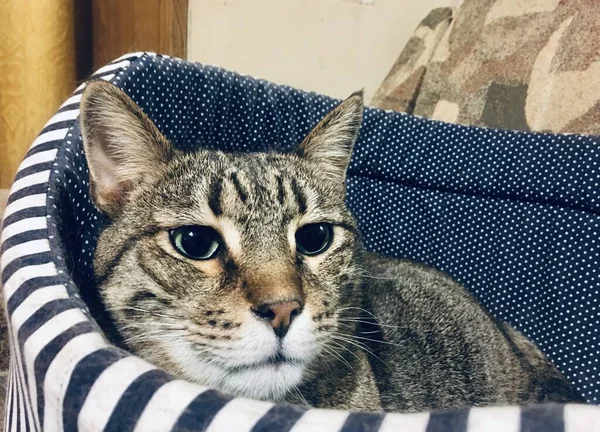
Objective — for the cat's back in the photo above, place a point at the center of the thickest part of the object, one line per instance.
(435, 347)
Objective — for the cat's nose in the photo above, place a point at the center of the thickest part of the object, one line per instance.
(279, 315)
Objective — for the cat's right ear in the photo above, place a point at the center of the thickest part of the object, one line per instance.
(331, 141)
(122, 145)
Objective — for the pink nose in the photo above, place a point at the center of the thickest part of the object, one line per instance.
(279, 315)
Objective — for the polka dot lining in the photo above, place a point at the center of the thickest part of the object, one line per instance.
(513, 216)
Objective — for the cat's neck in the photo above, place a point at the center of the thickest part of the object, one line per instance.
(348, 383)
(344, 377)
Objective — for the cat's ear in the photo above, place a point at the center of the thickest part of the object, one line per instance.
(331, 142)
(122, 145)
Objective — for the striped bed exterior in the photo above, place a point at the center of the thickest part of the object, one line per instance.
(64, 375)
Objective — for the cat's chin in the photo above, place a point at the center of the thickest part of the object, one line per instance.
(268, 381)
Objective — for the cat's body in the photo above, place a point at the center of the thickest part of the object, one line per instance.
(246, 272)
(432, 346)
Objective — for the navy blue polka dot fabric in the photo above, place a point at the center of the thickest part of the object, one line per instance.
(513, 216)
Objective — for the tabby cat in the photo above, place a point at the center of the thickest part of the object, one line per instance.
(245, 272)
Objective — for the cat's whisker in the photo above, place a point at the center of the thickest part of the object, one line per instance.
(300, 395)
(340, 356)
(167, 332)
(343, 347)
(326, 363)
(377, 341)
(358, 345)
(170, 325)
(137, 326)
(369, 332)
(203, 351)
(176, 343)
(148, 338)
(331, 351)
(352, 328)
(140, 336)
(356, 308)
(362, 272)
(369, 322)
(146, 311)
(376, 277)
(348, 338)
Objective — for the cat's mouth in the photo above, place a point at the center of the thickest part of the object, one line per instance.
(278, 359)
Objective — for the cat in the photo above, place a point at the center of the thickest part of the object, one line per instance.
(246, 272)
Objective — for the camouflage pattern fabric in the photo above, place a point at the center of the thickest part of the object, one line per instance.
(511, 64)
(400, 88)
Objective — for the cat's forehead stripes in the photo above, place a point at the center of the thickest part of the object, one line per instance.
(299, 195)
(241, 191)
(280, 189)
(256, 189)
(214, 196)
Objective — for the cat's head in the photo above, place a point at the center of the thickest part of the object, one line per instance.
(232, 270)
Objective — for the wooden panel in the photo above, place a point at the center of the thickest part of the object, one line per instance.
(138, 25)
(37, 73)
(3, 198)
(82, 14)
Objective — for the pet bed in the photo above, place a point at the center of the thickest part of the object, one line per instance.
(514, 216)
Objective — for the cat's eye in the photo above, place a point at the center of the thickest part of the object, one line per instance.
(196, 242)
(314, 239)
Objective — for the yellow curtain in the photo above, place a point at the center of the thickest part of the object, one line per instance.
(37, 72)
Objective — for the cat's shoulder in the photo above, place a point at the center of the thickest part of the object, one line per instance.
(389, 282)
(383, 268)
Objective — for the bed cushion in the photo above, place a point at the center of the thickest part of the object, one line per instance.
(513, 216)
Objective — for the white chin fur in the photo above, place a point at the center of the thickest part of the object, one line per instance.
(241, 373)
(268, 382)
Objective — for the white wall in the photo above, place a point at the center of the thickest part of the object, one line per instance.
(330, 46)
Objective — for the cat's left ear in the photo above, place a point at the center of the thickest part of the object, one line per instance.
(331, 142)
(122, 145)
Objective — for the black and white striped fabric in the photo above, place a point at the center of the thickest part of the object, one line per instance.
(514, 216)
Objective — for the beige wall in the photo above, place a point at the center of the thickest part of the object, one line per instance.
(330, 46)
